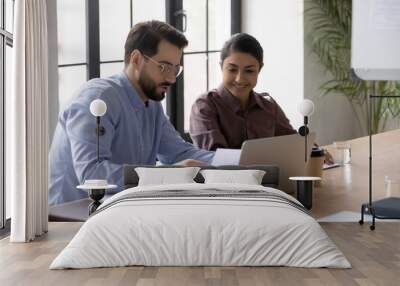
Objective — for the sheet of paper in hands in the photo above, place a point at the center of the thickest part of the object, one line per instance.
(330, 166)
(226, 157)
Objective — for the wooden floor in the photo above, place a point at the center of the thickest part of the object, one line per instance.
(374, 255)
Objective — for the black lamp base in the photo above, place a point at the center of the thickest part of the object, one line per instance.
(96, 195)
(305, 193)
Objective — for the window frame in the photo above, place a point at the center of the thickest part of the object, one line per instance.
(6, 39)
(92, 22)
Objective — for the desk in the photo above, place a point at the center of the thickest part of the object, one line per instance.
(70, 211)
(346, 188)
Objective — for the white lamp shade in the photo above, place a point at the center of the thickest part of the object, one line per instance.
(98, 107)
(306, 107)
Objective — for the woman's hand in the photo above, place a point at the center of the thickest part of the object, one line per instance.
(328, 158)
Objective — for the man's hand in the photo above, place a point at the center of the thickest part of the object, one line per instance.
(191, 162)
(328, 157)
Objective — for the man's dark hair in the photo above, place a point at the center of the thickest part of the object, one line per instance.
(243, 43)
(145, 37)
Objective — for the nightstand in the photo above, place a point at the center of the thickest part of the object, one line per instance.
(96, 190)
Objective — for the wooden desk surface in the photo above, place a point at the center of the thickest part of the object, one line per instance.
(346, 188)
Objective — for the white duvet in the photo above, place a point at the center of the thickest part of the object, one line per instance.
(200, 231)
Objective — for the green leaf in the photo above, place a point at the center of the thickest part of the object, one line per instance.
(330, 39)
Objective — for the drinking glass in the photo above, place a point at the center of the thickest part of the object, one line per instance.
(342, 152)
(392, 187)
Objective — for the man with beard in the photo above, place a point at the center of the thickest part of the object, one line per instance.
(136, 128)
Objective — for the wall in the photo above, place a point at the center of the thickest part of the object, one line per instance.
(278, 25)
(292, 72)
(334, 118)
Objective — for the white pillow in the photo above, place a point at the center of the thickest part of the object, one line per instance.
(248, 177)
(163, 176)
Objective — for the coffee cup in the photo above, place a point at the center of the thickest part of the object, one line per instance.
(315, 163)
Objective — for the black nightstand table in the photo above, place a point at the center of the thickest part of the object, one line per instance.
(305, 189)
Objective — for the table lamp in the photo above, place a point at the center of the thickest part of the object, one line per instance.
(98, 108)
(306, 108)
(305, 184)
(97, 188)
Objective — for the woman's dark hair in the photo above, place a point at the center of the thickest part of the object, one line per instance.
(243, 43)
(145, 37)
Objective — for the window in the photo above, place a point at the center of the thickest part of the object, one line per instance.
(80, 57)
(6, 43)
(207, 24)
(206, 31)
(112, 40)
(71, 36)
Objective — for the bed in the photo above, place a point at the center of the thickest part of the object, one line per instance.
(201, 224)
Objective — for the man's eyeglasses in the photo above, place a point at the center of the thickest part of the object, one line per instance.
(166, 68)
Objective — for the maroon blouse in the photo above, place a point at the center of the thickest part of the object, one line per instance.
(217, 121)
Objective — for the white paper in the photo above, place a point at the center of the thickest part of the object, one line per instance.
(330, 166)
(226, 157)
(385, 14)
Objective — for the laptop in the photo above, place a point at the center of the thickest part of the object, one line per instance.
(287, 152)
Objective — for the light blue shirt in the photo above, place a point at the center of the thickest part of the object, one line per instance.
(135, 134)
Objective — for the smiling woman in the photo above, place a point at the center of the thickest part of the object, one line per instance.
(249, 115)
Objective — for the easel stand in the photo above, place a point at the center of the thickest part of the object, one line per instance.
(388, 208)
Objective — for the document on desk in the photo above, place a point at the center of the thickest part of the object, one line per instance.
(226, 157)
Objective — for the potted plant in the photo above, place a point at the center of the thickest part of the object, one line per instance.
(331, 41)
